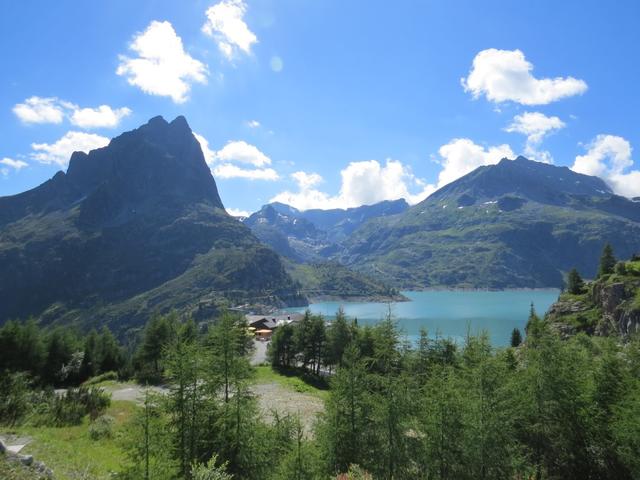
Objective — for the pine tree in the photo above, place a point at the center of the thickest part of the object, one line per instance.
(147, 443)
(186, 400)
(516, 337)
(159, 332)
(575, 284)
(607, 261)
(112, 357)
(338, 337)
(344, 431)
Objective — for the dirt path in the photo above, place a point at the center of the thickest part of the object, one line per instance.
(259, 352)
(273, 397)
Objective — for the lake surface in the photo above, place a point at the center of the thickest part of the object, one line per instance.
(450, 313)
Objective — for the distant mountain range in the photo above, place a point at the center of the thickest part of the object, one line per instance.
(138, 227)
(516, 224)
(314, 235)
(130, 229)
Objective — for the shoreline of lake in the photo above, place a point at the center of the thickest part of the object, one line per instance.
(403, 298)
(449, 312)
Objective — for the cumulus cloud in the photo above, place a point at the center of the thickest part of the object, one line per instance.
(253, 124)
(54, 110)
(8, 164)
(228, 170)
(461, 156)
(242, 152)
(60, 151)
(536, 126)
(162, 66)
(236, 212)
(506, 75)
(362, 183)
(14, 164)
(306, 180)
(609, 157)
(39, 110)
(225, 23)
(223, 162)
(101, 117)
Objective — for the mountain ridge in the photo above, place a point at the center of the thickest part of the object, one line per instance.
(123, 221)
(510, 225)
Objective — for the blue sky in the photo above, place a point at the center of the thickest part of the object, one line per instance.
(326, 103)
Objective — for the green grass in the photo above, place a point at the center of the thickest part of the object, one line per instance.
(583, 297)
(72, 454)
(633, 268)
(292, 380)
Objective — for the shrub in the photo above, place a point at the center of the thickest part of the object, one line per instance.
(70, 407)
(101, 427)
(101, 378)
(209, 471)
(621, 268)
(14, 397)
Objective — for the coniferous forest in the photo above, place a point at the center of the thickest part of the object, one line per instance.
(546, 409)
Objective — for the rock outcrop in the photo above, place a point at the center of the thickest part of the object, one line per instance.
(609, 305)
(615, 302)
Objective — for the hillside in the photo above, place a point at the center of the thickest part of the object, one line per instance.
(132, 228)
(515, 224)
(609, 305)
(330, 280)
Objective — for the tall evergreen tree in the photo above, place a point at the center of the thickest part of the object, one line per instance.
(516, 337)
(607, 261)
(575, 284)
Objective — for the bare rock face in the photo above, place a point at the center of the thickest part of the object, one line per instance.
(617, 315)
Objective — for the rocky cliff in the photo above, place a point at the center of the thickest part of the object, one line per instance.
(609, 305)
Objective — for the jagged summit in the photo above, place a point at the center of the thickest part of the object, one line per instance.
(133, 227)
(159, 163)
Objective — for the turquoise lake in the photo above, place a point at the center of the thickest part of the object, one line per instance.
(450, 313)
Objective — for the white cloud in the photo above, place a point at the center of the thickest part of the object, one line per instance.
(363, 183)
(15, 164)
(535, 126)
(609, 157)
(228, 170)
(60, 151)
(101, 117)
(237, 151)
(54, 110)
(226, 25)
(162, 67)
(461, 156)
(242, 152)
(39, 110)
(253, 124)
(236, 212)
(306, 180)
(505, 75)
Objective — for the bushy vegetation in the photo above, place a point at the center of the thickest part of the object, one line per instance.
(546, 408)
(58, 357)
(549, 409)
(22, 402)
